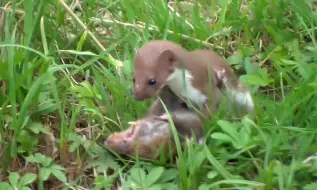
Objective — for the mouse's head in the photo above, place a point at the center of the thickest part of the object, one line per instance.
(153, 66)
(122, 142)
(143, 137)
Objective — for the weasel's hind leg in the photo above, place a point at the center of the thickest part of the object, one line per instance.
(237, 92)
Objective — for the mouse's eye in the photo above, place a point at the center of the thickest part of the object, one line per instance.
(133, 79)
(152, 81)
(184, 105)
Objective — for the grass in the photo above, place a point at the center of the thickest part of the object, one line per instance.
(66, 85)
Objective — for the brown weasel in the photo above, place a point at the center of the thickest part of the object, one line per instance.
(198, 76)
(146, 136)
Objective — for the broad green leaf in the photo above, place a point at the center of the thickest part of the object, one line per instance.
(138, 175)
(154, 175)
(57, 167)
(76, 139)
(73, 137)
(44, 174)
(169, 186)
(14, 178)
(27, 142)
(83, 92)
(246, 121)
(26, 188)
(4, 185)
(229, 128)
(45, 108)
(155, 187)
(288, 62)
(222, 137)
(168, 175)
(88, 87)
(251, 68)
(245, 132)
(42, 159)
(74, 146)
(212, 174)
(199, 159)
(27, 179)
(311, 186)
(244, 136)
(36, 128)
(30, 158)
(235, 59)
(59, 175)
(203, 187)
(253, 79)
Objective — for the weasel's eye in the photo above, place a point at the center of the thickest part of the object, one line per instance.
(133, 80)
(152, 81)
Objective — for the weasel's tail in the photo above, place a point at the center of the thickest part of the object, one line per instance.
(235, 90)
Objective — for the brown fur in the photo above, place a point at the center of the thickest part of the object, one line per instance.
(159, 58)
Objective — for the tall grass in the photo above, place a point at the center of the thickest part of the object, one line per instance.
(65, 70)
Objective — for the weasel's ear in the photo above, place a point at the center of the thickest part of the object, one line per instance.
(168, 58)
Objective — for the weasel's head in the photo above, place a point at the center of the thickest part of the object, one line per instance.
(152, 67)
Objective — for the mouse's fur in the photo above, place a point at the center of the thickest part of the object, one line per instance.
(144, 137)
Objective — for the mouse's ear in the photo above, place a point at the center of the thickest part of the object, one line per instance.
(161, 118)
(168, 58)
(134, 123)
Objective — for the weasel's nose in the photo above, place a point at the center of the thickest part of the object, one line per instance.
(139, 95)
(139, 98)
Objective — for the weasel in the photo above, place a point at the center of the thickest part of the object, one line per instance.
(198, 76)
(147, 135)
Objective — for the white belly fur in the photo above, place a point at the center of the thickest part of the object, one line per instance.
(176, 84)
